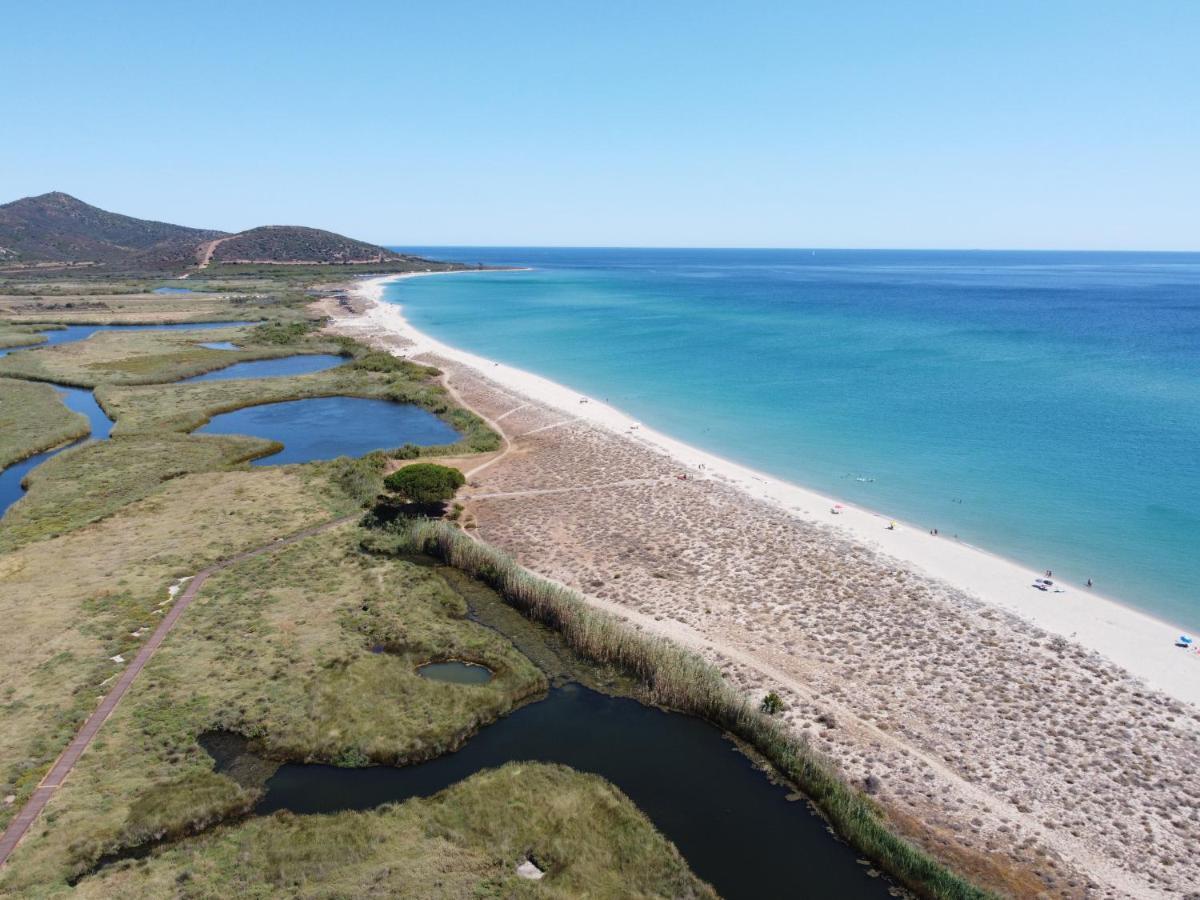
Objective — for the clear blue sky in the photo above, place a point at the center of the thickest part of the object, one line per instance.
(948, 124)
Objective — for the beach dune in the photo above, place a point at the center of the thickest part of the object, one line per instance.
(1051, 733)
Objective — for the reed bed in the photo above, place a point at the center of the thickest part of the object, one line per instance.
(682, 680)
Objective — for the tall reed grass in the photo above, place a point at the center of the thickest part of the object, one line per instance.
(680, 679)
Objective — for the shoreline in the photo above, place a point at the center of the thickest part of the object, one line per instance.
(1137, 641)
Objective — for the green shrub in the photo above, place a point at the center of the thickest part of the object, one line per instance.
(425, 482)
(771, 704)
(281, 332)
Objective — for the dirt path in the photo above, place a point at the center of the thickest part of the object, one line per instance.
(205, 251)
(62, 767)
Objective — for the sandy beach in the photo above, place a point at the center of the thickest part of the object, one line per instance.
(1013, 730)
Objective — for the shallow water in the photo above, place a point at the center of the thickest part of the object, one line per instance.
(455, 672)
(219, 345)
(737, 830)
(328, 427)
(270, 368)
(77, 399)
(1042, 405)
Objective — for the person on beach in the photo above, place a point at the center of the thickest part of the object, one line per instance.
(1089, 582)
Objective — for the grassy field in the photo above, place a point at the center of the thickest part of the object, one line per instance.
(33, 419)
(131, 301)
(85, 484)
(590, 839)
(278, 648)
(149, 357)
(19, 337)
(70, 603)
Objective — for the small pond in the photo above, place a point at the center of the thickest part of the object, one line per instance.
(77, 399)
(219, 345)
(268, 368)
(173, 290)
(455, 672)
(72, 333)
(328, 427)
(737, 829)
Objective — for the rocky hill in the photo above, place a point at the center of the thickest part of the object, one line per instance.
(57, 227)
(296, 244)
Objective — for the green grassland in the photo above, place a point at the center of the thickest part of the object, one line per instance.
(33, 419)
(150, 357)
(278, 648)
(71, 602)
(131, 301)
(87, 483)
(464, 842)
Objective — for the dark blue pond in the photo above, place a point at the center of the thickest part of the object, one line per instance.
(73, 333)
(80, 401)
(268, 368)
(736, 829)
(328, 427)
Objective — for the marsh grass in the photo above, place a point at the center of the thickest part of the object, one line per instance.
(33, 418)
(150, 357)
(589, 837)
(680, 679)
(279, 649)
(85, 484)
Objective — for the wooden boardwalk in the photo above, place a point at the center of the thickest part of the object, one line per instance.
(62, 767)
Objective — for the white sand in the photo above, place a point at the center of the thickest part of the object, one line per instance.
(1138, 642)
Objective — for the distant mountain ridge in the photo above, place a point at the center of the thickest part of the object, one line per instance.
(56, 228)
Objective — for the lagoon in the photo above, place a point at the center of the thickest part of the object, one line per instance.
(328, 427)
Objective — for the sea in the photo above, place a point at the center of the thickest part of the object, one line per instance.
(1041, 405)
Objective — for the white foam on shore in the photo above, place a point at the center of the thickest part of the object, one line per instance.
(1140, 643)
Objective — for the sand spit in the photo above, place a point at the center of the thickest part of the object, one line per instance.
(1012, 729)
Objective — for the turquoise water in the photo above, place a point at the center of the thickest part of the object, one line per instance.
(1042, 405)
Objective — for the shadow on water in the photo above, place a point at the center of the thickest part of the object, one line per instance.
(268, 368)
(328, 427)
(76, 399)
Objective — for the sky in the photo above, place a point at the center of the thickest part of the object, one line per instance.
(1071, 125)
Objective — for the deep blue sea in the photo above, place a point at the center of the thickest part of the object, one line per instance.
(1043, 405)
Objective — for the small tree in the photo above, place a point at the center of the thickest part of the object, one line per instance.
(771, 704)
(425, 482)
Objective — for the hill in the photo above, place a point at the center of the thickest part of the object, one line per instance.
(298, 245)
(57, 227)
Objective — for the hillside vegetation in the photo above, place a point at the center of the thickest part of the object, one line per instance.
(58, 230)
(57, 227)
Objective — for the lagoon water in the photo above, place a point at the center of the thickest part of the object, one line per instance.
(736, 829)
(76, 399)
(329, 427)
(1042, 405)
